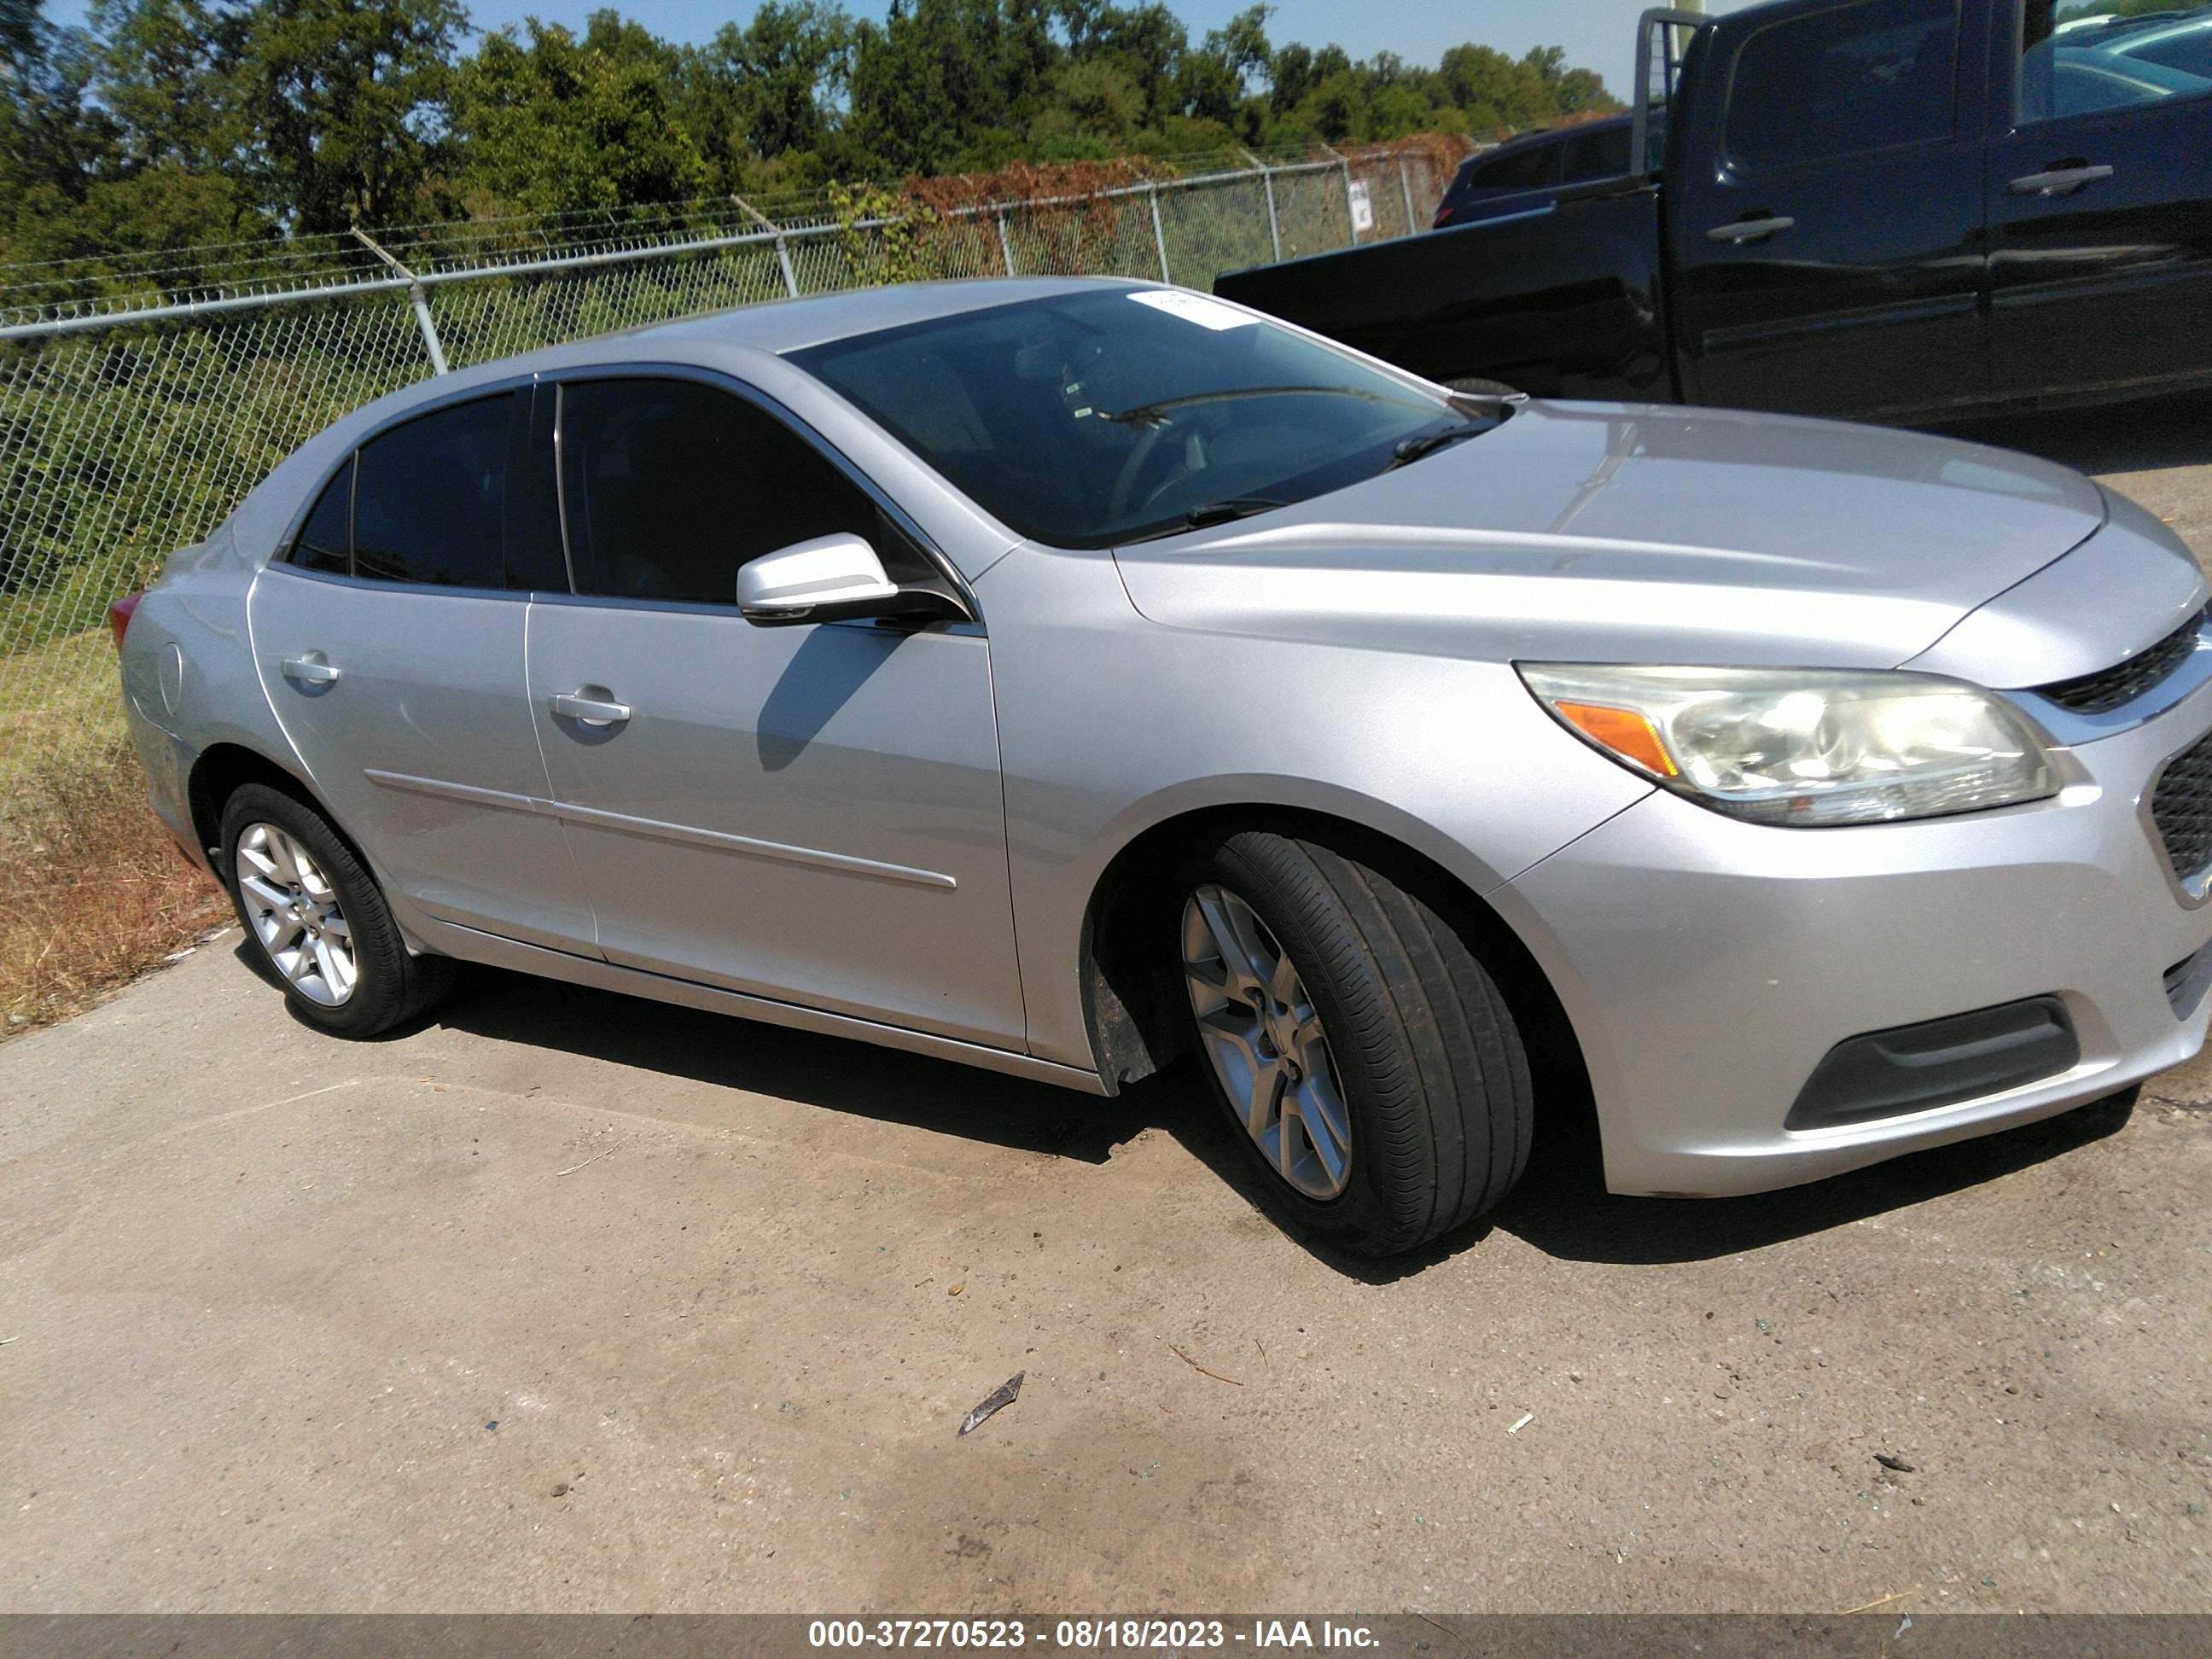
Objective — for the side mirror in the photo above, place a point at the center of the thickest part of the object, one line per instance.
(826, 579)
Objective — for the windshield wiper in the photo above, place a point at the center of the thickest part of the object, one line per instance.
(1211, 513)
(1427, 443)
(1151, 414)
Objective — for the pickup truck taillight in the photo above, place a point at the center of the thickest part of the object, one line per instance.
(119, 616)
(1443, 216)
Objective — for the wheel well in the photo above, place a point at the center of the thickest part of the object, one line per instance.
(1134, 1004)
(218, 774)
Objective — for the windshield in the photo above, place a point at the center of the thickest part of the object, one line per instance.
(1090, 418)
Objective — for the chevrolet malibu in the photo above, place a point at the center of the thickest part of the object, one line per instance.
(1055, 675)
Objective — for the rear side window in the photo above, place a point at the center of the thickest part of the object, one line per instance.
(1598, 155)
(430, 497)
(669, 486)
(1861, 77)
(1528, 169)
(326, 541)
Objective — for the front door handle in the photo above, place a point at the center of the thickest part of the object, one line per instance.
(1750, 230)
(313, 669)
(2059, 180)
(588, 710)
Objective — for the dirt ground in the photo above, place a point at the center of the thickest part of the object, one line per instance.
(565, 1301)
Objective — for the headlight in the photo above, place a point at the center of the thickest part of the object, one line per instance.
(1796, 746)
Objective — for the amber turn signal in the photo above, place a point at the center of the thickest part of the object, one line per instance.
(1623, 730)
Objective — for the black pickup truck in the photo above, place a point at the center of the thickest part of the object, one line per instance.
(1877, 207)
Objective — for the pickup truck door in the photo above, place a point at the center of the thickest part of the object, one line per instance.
(2099, 186)
(1825, 211)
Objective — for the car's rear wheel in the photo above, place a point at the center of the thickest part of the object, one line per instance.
(319, 919)
(1375, 1073)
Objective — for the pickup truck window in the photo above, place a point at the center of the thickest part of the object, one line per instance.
(1859, 77)
(1526, 169)
(1601, 154)
(2100, 62)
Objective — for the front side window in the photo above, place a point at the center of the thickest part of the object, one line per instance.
(670, 485)
(1088, 418)
(429, 496)
(2087, 63)
(1861, 78)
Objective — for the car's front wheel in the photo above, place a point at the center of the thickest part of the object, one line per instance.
(319, 920)
(1372, 1067)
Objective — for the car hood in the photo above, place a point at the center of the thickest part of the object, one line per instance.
(1612, 533)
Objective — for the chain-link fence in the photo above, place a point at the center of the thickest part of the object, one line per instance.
(140, 400)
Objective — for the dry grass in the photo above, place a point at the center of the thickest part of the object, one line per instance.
(93, 891)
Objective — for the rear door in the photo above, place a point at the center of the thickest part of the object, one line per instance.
(811, 813)
(2100, 191)
(389, 643)
(1825, 212)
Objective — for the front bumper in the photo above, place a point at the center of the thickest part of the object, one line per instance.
(1708, 964)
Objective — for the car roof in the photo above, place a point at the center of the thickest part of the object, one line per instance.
(712, 339)
(792, 325)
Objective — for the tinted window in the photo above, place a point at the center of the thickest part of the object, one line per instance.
(1598, 155)
(2186, 46)
(325, 540)
(430, 497)
(1096, 417)
(2080, 69)
(1526, 169)
(1837, 82)
(671, 485)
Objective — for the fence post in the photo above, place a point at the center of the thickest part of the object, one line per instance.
(782, 250)
(1267, 184)
(1350, 218)
(1405, 190)
(1006, 243)
(415, 299)
(1159, 236)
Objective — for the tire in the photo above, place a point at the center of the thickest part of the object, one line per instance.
(1428, 1064)
(1476, 386)
(276, 846)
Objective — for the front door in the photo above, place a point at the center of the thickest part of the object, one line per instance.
(389, 643)
(2099, 188)
(1828, 240)
(811, 814)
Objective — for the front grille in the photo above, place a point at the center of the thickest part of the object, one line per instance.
(2181, 807)
(2122, 683)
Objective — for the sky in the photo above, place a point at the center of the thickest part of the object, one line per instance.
(1598, 34)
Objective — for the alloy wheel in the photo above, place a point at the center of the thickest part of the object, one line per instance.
(1265, 1041)
(296, 914)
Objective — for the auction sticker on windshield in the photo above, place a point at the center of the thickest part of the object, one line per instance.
(1202, 309)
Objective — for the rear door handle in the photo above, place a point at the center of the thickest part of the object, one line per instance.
(586, 710)
(2059, 181)
(313, 669)
(1749, 230)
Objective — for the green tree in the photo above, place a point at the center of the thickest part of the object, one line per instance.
(769, 92)
(20, 26)
(343, 105)
(548, 123)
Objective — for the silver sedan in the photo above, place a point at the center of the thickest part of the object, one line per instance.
(1060, 675)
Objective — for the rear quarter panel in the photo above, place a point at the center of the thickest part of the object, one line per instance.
(189, 678)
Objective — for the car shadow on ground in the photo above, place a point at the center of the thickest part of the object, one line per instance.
(1561, 1207)
(2148, 437)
